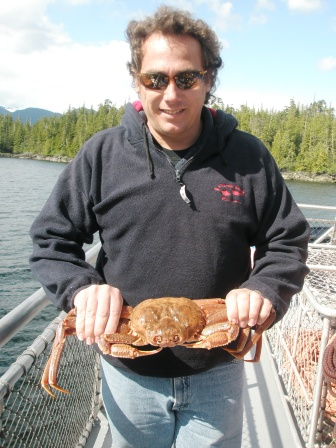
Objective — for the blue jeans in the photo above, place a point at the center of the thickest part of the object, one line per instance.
(202, 410)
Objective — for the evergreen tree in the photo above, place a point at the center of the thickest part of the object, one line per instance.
(300, 138)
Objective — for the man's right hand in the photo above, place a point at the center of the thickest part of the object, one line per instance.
(98, 311)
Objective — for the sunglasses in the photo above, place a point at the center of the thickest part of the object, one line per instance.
(160, 81)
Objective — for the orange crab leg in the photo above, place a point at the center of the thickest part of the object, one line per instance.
(49, 377)
(45, 379)
(256, 340)
(126, 311)
(206, 302)
(127, 351)
(214, 311)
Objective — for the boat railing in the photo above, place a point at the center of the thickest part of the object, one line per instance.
(298, 342)
(323, 228)
(30, 417)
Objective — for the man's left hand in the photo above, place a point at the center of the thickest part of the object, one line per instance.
(247, 307)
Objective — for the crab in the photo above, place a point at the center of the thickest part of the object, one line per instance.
(160, 323)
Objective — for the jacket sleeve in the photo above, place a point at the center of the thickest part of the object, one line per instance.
(281, 241)
(65, 223)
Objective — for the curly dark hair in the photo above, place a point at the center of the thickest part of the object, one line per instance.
(168, 20)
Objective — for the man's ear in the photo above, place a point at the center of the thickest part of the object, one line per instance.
(207, 81)
(136, 84)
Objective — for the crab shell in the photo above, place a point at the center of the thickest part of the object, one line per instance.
(167, 322)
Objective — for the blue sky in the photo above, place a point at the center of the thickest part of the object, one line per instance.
(58, 54)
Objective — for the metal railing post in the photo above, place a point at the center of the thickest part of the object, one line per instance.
(318, 386)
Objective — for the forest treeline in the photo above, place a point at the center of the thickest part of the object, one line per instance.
(301, 138)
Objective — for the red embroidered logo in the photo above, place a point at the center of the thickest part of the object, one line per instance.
(230, 192)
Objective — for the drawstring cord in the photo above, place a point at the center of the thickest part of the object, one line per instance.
(150, 164)
(221, 148)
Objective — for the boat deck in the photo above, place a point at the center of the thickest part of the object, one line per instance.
(267, 420)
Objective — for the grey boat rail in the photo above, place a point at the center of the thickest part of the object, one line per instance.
(293, 352)
(20, 316)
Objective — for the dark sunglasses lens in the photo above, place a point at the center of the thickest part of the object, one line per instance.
(186, 80)
(155, 81)
(159, 81)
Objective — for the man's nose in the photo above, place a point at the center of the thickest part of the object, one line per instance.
(172, 91)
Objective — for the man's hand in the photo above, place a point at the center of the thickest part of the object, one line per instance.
(247, 307)
(98, 311)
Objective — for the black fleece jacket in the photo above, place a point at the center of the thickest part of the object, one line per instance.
(172, 231)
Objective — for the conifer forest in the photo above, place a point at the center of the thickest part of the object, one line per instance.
(301, 138)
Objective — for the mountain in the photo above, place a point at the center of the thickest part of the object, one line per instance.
(31, 114)
(4, 111)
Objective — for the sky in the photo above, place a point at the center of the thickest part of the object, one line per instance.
(61, 54)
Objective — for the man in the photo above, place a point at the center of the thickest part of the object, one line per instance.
(178, 196)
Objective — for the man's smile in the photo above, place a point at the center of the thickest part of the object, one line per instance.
(172, 112)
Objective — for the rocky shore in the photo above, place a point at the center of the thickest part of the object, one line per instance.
(29, 155)
(287, 175)
(309, 177)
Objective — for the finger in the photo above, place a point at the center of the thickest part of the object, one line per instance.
(265, 311)
(80, 304)
(116, 304)
(256, 303)
(102, 314)
(243, 304)
(93, 293)
(108, 311)
(231, 306)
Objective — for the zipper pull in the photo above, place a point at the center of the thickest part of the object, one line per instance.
(183, 194)
(183, 190)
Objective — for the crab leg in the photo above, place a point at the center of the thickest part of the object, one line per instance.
(49, 377)
(116, 348)
(45, 379)
(256, 340)
(216, 335)
(127, 351)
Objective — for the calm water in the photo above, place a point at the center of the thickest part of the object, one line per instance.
(24, 188)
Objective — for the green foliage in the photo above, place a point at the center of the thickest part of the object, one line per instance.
(301, 138)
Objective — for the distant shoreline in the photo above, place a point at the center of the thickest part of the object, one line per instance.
(28, 155)
(287, 175)
(309, 177)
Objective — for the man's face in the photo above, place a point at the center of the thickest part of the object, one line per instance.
(173, 114)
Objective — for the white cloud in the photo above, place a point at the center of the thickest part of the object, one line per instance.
(225, 43)
(255, 98)
(305, 5)
(265, 4)
(259, 19)
(181, 4)
(68, 76)
(78, 2)
(84, 2)
(41, 67)
(225, 18)
(327, 64)
(25, 27)
(224, 15)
